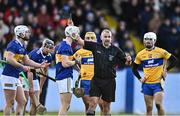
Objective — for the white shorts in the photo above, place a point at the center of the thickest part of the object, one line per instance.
(10, 83)
(25, 85)
(65, 85)
(35, 86)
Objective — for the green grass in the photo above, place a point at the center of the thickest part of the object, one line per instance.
(72, 114)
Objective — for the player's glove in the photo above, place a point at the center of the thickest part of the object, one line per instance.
(78, 92)
(77, 61)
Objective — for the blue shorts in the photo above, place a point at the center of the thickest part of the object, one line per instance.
(151, 89)
(86, 85)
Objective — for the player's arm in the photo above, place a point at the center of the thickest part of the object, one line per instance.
(10, 59)
(128, 59)
(135, 70)
(68, 63)
(77, 56)
(70, 21)
(80, 41)
(172, 61)
(30, 62)
(135, 66)
(42, 78)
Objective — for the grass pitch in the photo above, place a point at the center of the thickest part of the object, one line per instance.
(72, 114)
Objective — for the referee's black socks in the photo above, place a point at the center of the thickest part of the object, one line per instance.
(90, 113)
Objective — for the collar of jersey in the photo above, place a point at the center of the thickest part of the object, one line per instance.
(41, 51)
(151, 49)
(19, 41)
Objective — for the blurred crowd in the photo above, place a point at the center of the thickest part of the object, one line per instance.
(128, 20)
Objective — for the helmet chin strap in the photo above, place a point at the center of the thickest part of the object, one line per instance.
(23, 38)
(150, 48)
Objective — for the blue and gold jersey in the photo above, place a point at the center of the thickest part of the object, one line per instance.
(61, 72)
(37, 56)
(87, 64)
(153, 62)
(20, 51)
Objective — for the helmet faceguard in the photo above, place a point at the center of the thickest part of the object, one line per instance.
(48, 43)
(72, 32)
(150, 40)
(151, 35)
(22, 31)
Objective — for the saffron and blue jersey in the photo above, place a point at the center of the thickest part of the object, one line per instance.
(87, 63)
(38, 56)
(61, 72)
(19, 51)
(153, 62)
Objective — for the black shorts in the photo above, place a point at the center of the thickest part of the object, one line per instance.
(104, 88)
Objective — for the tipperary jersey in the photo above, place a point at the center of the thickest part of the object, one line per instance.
(87, 64)
(38, 56)
(20, 51)
(152, 63)
(61, 72)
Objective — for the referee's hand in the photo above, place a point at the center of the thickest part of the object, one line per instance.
(128, 59)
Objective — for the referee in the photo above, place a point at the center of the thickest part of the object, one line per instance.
(106, 57)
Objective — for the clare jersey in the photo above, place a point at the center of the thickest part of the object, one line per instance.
(19, 51)
(38, 56)
(87, 64)
(152, 62)
(61, 72)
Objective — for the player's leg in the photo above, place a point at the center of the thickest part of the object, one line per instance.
(9, 86)
(32, 110)
(26, 93)
(21, 100)
(158, 97)
(149, 104)
(106, 108)
(94, 97)
(35, 95)
(65, 91)
(100, 103)
(65, 103)
(10, 97)
(33, 104)
(92, 106)
(159, 101)
(42, 81)
(108, 95)
(147, 90)
(86, 99)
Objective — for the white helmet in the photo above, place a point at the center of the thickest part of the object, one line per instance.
(21, 30)
(150, 35)
(72, 31)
